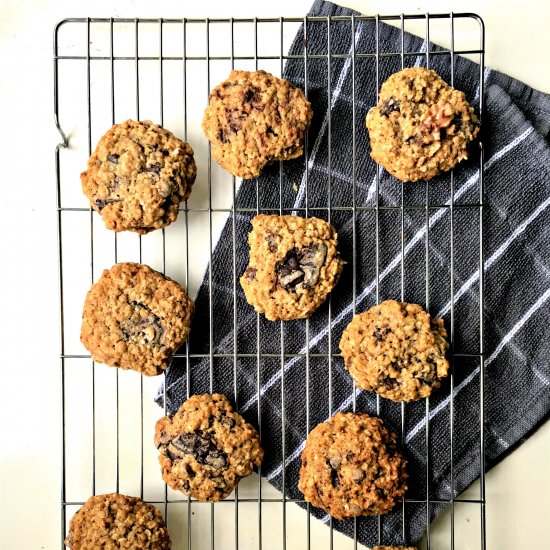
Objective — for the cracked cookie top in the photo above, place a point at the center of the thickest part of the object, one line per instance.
(253, 119)
(397, 350)
(351, 466)
(421, 125)
(135, 318)
(138, 175)
(117, 521)
(206, 448)
(293, 265)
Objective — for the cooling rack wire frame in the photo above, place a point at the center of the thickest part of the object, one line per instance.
(97, 434)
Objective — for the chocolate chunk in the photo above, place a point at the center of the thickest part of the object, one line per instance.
(380, 334)
(146, 228)
(271, 240)
(143, 326)
(334, 464)
(252, 96)
(389, 106)
(388, 382)
(113, 158)
(270, 131)
(227, 421)
(221, 136)
(234, 119)
(250, 273)
(155, 169)
(198, 445)
(301, 267)
(248, 95)
(102, 203)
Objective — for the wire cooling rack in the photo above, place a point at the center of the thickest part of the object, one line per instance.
(107, 70)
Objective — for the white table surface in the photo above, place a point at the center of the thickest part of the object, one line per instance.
(517, 491)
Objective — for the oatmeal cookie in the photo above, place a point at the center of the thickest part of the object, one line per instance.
(138, 175)
(135, 318)
(421, 125)
(293, 266)
(351, 467)
(397, 350)
(117, 521)
(393, 548)
(206, 448)
(253, 119)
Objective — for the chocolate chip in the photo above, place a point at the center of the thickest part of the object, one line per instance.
(389, 106)
(102, 203)
(334, 479)
(301, 267)
(271, 240)
(380, 334)
(143, 326)
(250, 273)
(155, 168)
(252, 96)
(248, 95)
(389, 383)
(221, 136)
(270, 131)
(199, 446)
(235, 119)
(113, 158)
(146, 228)
(227, 421)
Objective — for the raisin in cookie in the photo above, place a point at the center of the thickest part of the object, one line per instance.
(253, 119)
(421, 125)
(138, 175)
(351, 467)
(293, 266)
(206, 448)
(397, 350)
(135, 318)
(117, 521)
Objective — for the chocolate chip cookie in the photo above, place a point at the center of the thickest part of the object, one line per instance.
(421, 125)
(293, 266)
(135, 318)
(397, 350)
(117, 521)
(206, 448)
(138, 175)
(351, 466)
(253, 119)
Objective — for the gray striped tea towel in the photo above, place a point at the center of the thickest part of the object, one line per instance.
(516, 123)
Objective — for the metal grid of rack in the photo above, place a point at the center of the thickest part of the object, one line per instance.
(136, 63)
